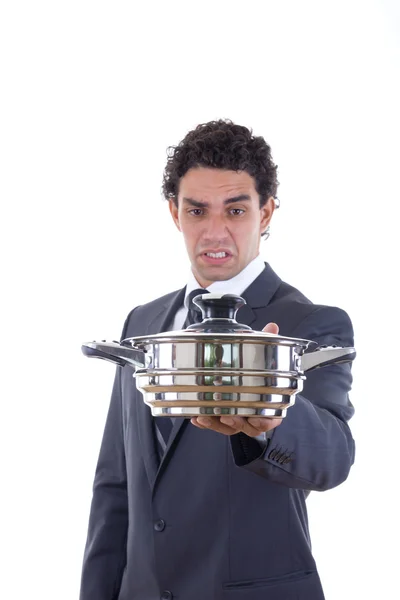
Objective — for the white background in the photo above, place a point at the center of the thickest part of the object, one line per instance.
(92, 94)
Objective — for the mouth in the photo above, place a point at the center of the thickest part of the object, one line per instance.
(216, 257)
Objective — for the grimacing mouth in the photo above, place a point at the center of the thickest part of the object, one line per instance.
(216, 253)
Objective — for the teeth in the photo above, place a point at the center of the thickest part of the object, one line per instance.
(217, 254)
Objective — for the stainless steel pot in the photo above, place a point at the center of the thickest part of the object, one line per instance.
(219, 366)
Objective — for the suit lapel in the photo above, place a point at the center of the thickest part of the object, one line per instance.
(258, 295)
(159, 323)
(166, 315)
(162, 323)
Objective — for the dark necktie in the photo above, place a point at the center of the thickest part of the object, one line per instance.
(194, 313)
(164, 424)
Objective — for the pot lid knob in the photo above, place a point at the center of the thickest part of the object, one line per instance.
(219, 312)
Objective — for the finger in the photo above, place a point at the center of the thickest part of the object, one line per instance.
(196, 424)
(264, 423)
(242, 424)
(271, 328)
(215, 424)
(230, 425)
(239, 424)
(252, 426)
(233, 421)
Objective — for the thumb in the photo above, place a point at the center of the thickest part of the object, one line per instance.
(271, 328)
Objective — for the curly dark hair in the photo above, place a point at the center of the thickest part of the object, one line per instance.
(221, 145)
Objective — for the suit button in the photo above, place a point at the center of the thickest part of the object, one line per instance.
(159, 525)
(166, 595)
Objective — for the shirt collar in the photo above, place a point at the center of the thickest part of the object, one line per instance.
(237, 285)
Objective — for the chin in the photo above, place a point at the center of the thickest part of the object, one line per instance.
(212, 275)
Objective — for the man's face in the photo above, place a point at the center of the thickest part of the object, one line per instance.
(220, 217)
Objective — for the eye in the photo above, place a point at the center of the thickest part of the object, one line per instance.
(196, 212)
(236, 212)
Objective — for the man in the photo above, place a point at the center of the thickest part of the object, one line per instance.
(219, 511)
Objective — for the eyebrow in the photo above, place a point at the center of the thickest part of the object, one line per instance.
(198, 204)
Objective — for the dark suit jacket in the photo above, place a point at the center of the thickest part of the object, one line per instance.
(221, 518)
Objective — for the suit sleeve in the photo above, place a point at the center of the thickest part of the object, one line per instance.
(312, 448)
(105, 552)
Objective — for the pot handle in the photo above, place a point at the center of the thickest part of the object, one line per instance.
(115, 353)
(326, 355)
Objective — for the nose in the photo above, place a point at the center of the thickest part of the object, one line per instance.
(215, 229)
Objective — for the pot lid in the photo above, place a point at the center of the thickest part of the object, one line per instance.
(219, 325)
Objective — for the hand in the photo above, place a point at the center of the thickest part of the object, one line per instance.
(232, 424)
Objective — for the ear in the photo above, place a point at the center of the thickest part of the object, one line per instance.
(266, 213)
(173, 209)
